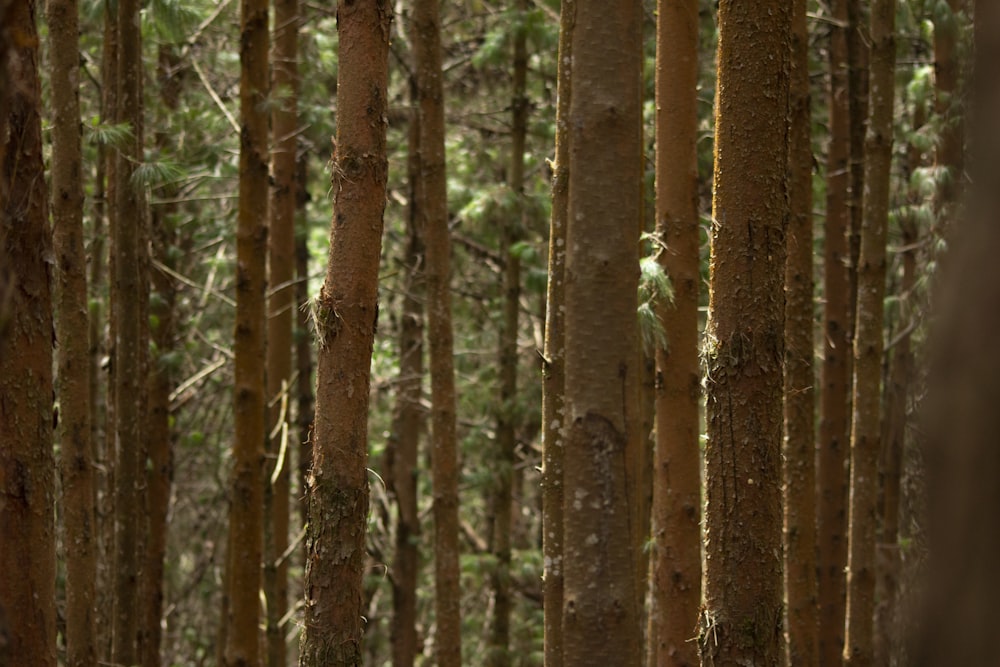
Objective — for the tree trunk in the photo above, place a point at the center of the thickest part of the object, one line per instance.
(600, 614)
(409, 417)
(835, 374)
(76, 465)
(553, 363)
(677, 482)
(27, 468)
(799, 446)
(427, 51)
(865, 442)
(303, 346)
(742, 617)
(346, 313)
(281, 312)
(129, 353)
(246, 520)
(948, 103)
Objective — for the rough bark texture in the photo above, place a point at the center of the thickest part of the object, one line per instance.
(799, 447)
(677, 466)
(346, 313)
(408, 419)
(835, 374)
(554, 365)
(742, 615)
(129, 344)
(76, 464)
(281, 313)
(246, 508)
(600, 614)
(434, 226)
(865, 435)
(27, 468)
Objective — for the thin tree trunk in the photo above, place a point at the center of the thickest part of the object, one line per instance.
(799, 446)
(427, 50)
(303, 344)
(742, 616)
(600, 614)
(835, 374)
(865, 441)
(346, 313)
(27, 468)
(76, 465)
(677, 482)
(409, 417)
(281, 313)
(857, 87)
(129, 352)
(246, 509)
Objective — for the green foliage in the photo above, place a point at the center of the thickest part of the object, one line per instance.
(115, 135)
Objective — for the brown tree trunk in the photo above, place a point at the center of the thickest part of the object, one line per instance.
(857, 104)
(246, 508)
(677, 467)
(742, 616)
(27, 468)
(865, 436)
(835, 374)
(948, 105)
(281, 312)
(600, 614)
(434, 221)
(409, 417)
(129, 353)
(303, 345)
(799, 446)
(346, 313)
(76, 465)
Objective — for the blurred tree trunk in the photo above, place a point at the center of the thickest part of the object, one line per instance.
(76, 464)
(677, 467)
(409, 415)
(27, 468)
(434, 221)
(743, 609)
(868, 345)
(246, 508)
(281, 312)
(130, 252)
(346, 313)
(835, 374)
(303, 342)
(553, 362)
(857, 104)
(799, 446)
(950, 148)
(506, 440)
(600, 614)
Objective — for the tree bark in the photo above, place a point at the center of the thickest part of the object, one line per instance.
(600, 614)
(799, 445)
(27, 468)
(742, 616)
(246, 509)
(677, 466)
(346, 313)
(427, 52)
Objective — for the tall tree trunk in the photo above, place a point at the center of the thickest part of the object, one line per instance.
(427, 52)
(600, 614)
(835, 373)
(303, 343)
(554, 365)
(677, 481)
(865, 436)
(742, 616)
(950, 148)
(27, 468)
(129, 353)
(76, 465)
(246, 508)
(799, 446)
(346, 313)
(409, 416)
(857, 104)
(506, 441)
(281, 312)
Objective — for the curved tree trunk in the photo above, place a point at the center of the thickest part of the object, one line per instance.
(743, 609)
(346, 313)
